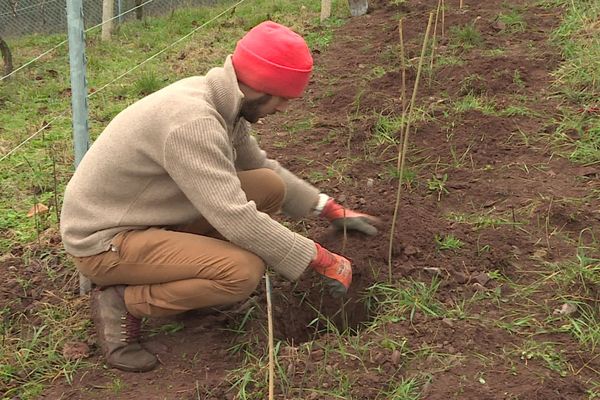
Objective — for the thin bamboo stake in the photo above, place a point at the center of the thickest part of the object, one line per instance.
(403, 150)
(437, 13)
(443, 18)
(403, 97)
(461, 4)
(271, 347)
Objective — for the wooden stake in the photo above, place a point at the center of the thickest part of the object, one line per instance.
(403, 149)
(271, 347)
(107, 22)
(461, 4)
(325, 9)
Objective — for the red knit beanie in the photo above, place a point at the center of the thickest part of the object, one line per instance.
(273, 59)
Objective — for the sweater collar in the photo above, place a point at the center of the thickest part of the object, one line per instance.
(224, 91)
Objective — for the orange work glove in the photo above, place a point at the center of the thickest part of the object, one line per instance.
(336, 269)
(341, 217)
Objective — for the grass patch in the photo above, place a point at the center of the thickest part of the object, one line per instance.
(448, 242)
(405, 389)
(31, 351)
(473, 102)
(386, 129)
(513, 21)
(479, 221)
(546, 353)
(393, 303)
(578, 78)
(465, 37)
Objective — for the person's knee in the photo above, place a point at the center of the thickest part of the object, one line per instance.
(247, 276)
(274, 187)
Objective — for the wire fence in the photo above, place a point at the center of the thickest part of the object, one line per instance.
(24, 17)
(43, 156)
(117, 78)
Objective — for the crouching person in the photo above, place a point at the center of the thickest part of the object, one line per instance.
(169, 210)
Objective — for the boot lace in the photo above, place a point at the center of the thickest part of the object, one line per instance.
(131, 328)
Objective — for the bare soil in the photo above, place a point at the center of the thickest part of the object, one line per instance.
(500, 166)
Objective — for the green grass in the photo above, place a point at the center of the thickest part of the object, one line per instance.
(31, 352)
(448, 242)
(545, 353)
(386, 130)
(479, 221)
(473, 102)
(578, 78)
(403, 299)
(465, 37)
(513, 21)
(403, 389)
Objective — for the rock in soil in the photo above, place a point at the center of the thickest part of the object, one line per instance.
(396, 357)
(448, 322)
(75, 351)
(565, 309)
(482, 278)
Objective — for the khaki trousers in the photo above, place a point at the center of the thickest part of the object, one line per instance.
(169, 271)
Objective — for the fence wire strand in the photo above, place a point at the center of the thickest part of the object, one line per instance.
(31, 137)
(24, 142)
(66, 40)
(166, 48)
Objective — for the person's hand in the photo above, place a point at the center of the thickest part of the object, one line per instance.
(342, 218)
(336, 270)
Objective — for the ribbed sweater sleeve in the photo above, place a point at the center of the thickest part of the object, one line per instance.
(198, 157)
(300, 196)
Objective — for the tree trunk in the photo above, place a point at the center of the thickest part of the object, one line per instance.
(139, 12)
(7, 56)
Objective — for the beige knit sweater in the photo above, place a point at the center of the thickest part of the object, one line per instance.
(173, 156)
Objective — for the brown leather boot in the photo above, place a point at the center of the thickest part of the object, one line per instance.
(119, 331)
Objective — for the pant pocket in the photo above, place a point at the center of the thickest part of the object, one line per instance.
(96, 267)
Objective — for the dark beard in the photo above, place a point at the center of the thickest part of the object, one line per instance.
(250, 108)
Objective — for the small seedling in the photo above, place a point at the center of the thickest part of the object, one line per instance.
(472, 84)
(438, 184)
(378, 72)
(449, 242)
(546, 352)
(117, 385)
(517, 79)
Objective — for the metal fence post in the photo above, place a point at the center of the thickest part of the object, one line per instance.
(77, 62)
